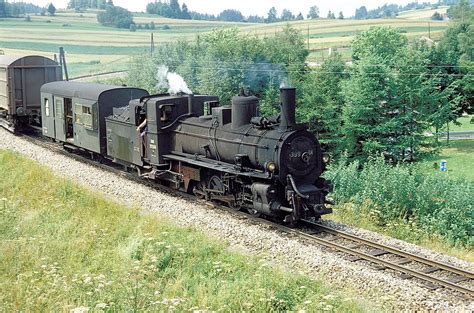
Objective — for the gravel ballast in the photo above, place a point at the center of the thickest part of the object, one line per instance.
(384, 289)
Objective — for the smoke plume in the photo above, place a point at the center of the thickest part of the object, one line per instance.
(171, 81)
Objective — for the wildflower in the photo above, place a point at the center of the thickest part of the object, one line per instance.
(80, 309)
(87, 280)
(328, 297)
(101, 305)
(308, 302)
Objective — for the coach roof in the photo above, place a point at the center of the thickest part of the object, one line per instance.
(88, 91)
(25, 60)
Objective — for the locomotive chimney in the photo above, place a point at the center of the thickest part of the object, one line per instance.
(288, 105)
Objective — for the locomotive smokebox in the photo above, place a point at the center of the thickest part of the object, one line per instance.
(243, 109)
(288, 106)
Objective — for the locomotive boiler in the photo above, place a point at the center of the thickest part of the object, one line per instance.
(229, 154)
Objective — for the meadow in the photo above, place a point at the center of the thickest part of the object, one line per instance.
(92, 48)
(65, 248)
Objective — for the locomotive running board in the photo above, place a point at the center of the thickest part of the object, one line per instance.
(212, 164)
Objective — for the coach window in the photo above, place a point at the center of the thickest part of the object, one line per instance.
(87, 117)
(78, 113)
(46, 106)
(59, 108)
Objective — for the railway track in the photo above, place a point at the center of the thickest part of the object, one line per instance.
(430, 273)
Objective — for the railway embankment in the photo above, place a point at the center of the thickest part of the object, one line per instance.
(384, 290)
(66, 248)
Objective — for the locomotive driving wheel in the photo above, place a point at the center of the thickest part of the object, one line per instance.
(218, 191)
(216, 186)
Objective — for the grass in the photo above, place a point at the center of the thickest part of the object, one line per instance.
(465, 124)
(63, 248)
(83, 38)
(460, 157)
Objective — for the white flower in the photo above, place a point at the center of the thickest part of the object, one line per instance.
(80, 309)
(101, 305)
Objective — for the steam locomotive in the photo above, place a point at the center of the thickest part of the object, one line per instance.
(228, 154)
(222, 153)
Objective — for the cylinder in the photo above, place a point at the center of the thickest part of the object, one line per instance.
(288, 107)
(243, 109)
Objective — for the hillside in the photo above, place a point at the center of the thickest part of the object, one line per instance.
(93, 48)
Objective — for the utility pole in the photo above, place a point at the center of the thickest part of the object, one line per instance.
(429, 30)
(152, 45)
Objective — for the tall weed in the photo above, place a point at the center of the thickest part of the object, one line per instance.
(437, 204)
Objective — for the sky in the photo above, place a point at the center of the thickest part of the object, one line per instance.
(250, 7)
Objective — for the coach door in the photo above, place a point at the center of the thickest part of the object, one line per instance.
(60, 124)
(47, 115)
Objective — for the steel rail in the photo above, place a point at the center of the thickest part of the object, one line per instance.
(385, 263)
(393, 250)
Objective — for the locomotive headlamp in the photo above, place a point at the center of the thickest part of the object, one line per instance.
(271, 167)
(326, 158)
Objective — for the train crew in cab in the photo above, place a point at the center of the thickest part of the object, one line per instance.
(142, 129)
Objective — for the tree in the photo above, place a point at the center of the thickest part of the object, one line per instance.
(341, 15)
(133, 27)
(462, 11)
(391, 97)
(300, 17)
(322, 110)
(3, 8)
(175, 9)
(185, 12)
(115, 17)
(331, 15)
(231, 16)
(51, 9)
(286, 15)
(313, 12)
(361, 13)
(384, 42)
(436, 16)
(272, 15)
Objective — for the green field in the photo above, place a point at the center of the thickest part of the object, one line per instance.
(109, 49)
(460, 157)
(466, 123)
(63, 248)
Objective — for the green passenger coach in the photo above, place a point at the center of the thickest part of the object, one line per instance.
(74, 112)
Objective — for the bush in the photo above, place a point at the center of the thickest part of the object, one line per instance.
(434, 203)
(28, 18)
(133, 28)
(165, 27)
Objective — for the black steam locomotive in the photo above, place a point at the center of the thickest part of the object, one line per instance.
(228, 154)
